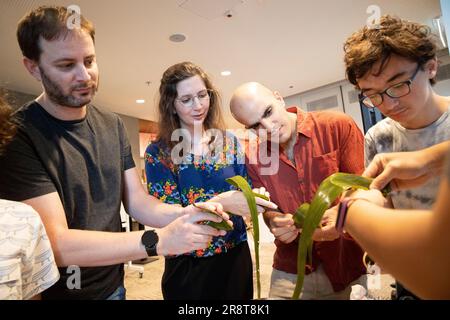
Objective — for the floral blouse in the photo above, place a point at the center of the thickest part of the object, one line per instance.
(197, 179)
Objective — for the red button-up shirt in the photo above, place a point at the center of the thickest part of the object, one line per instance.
(327, 142)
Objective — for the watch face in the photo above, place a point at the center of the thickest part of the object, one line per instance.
(149, 239)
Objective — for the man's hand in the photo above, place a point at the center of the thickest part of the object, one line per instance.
(373, 195)
(282, 226)
(327, 230)
(216, 207)
(235, 202)
(185, 234)
(403, 170)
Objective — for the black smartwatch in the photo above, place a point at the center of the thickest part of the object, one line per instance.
(150, 240)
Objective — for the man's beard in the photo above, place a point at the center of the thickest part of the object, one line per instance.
(56, 93)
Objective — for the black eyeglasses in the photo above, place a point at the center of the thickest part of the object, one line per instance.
(398, 90)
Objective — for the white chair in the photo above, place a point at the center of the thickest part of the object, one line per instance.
(125, 218)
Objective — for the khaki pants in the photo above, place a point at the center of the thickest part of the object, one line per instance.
(316, 286)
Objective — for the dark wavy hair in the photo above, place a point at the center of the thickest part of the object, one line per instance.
(393, 35)
(168, 119)
(8, 126)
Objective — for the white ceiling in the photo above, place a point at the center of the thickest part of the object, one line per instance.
(280, 43)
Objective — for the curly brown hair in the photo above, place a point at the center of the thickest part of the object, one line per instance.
(168, 119)
(393, 35)
(8, 126)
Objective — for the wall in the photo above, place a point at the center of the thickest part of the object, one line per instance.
(132, 126)
(294, 101)
(445, 10)
(17, 99)
(339, 96)
(443, 87)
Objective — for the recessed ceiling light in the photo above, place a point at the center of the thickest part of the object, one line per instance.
(177, 37)
(225, 73)
(140, 101)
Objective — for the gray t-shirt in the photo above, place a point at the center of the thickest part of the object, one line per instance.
(389, 136)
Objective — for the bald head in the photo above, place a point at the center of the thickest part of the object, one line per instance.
(247, 95)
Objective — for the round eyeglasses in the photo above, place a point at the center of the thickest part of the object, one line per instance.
(189, 101)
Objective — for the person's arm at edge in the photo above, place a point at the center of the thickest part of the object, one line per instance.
(81, 247)
(87, 248)
(407, 169)
(410, 245)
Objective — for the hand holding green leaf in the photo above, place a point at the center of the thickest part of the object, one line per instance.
(308, 216)
(222, 225)
(235, 201)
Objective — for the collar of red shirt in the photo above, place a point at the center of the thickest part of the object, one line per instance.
(304, 124)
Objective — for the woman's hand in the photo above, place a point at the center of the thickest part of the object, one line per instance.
(215, 209)
(235, 202)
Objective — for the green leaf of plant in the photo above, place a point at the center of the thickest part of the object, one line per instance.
(353, 181)
(261, 196)
(310, 250)
(324, 197)
(348, 180)
(329, 190)
(300, 214)
(242, 184)
(222, 225)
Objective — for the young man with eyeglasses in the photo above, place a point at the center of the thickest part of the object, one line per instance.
(394, 66)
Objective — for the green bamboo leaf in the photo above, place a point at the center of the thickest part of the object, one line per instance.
(353, 181)
(329, 190)
(262, 196)
(324, 197)
(310, 250)
(242, 184)
(347, 181)
(222, 225)
(300, 214)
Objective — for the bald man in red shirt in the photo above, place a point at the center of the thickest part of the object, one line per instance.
(311, 146)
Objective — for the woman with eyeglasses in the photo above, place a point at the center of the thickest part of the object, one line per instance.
(189, 163)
